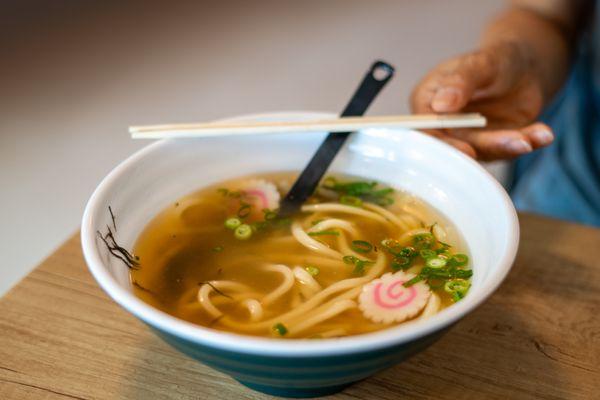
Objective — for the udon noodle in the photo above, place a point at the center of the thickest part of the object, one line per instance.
(358, 258)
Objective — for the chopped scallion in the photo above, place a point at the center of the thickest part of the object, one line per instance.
(436, 262)
(401, 263)
(457, 288)
(423, 240)
(408, 252)
(243, 232)
(280, 329)
(349, 259)
(361, 191)
(232, 223)
(427, 254)
(458, 260)
(436, 283)
(359, 265)
(245, 210)
(311, 269)
(269, 214)
(392, 246)
(324, 233)
(351, 201)
(361, 246)
(414, 280)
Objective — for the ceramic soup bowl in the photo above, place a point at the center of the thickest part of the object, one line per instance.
(154, 177)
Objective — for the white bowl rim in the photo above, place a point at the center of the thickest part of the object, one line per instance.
(273, 347)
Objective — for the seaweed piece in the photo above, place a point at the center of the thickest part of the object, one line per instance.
(118, 251)
(112, 216)
(137, 285)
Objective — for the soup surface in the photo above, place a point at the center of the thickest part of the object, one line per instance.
(360, 257)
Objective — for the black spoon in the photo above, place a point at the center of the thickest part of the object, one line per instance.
(378, 75)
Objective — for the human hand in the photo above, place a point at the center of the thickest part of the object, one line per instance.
(498, 82)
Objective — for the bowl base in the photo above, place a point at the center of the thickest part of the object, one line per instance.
(296, 392)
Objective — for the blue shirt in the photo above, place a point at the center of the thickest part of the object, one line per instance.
(563, 180)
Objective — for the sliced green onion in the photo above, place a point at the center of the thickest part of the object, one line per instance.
(354, 193)
(414, 280)
(384, 201)
(351, 201)
(349, 259)
(259, 225)
(280, 329)
(458, 260)
(426, 254)
(436, 262)
(359, 266)
(269, 214)
(423, 240)
(311, 269)
(243, 232)
(244, 210)
(435, 273)
(383, 192)
(401, 263)
(457, 288)
(462, 273)
(282, 222)
(232, 223)
(361, 246)
(316, 221)
(323, 233)
(408, 252)
(218, 249)
(392, 246)
(436, 283)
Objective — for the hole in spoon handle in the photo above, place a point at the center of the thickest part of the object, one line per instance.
(376, 78)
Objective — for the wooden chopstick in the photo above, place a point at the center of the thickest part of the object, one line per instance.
(344, 124)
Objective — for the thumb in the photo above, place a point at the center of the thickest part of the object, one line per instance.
(458, 83)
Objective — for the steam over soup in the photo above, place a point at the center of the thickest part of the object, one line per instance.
(360, 257)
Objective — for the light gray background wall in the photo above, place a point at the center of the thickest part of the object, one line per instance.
(73, 76)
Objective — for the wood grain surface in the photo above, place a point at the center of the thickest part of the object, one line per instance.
(537, 337)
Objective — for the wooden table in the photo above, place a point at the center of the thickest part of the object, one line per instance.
(537, 337)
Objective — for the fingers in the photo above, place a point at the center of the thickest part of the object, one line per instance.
(457, 86)
(461, 146)
(539, 134)
(456, 143)
(486, 73)
(505, 143)
(452, 85)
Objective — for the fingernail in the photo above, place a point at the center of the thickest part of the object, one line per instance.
(445, 99)
(542, 136)
(518, 146)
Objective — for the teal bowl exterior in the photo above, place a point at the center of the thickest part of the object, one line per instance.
(299, 376)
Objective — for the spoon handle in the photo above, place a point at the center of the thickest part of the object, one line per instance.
(378, 75)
